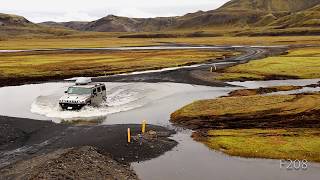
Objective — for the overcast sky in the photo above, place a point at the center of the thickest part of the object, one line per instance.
(87, 10)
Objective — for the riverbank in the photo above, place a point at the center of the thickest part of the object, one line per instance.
(23, 139)
(276, 111)
(249, 124)
(288, 143)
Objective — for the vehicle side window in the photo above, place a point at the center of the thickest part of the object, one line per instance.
(99, 89)
(103, 88)
(94, 91)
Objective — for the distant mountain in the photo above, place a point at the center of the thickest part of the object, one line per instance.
(76, 25)
(249, 13)
(235, 14)
(112, 23)
(13, 20)
(125, 24)
(13, 25)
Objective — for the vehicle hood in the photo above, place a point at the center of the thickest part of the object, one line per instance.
(68, 97)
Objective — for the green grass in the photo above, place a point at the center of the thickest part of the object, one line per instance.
(267, 143)
(85, 41)
(95, 39)
(300, 63)
(236, 116)
(250, 105)
(250, 92)
(51, 63)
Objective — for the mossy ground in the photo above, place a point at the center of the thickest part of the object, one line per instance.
(250, 105)
(80, 40)
(297, 64)
(275, 126)
(250, 92)
(267, 143)
(93, 63)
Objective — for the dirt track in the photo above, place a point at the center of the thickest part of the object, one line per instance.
(197, 75)
(190, 75)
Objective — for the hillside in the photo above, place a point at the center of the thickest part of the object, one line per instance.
(241, 17)
(254, 13)
(306, 18)
(76, 25)
(124, 24)
(270, 5)
(13, 20)
(13, 26)
(234, 14)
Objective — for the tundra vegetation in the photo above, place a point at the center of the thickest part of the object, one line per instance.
(94, 63)
(247, 106)
(261, 90)
(274, 126)
(300, 63)
(96, 40)
(297, 143)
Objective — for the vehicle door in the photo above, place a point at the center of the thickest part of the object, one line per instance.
(99, 95)
(94, 99)
(104, 93)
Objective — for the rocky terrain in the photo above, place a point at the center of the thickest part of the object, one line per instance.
(73, 163)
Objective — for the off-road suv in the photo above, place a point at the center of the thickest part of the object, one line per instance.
(83, 93)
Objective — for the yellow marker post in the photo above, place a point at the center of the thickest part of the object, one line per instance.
(143, 130)
(129, 136)
(211, 69)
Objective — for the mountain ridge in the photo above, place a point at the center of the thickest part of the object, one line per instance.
(270, 5)
(233, 14)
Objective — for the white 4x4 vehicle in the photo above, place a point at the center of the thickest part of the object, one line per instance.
(83, 93)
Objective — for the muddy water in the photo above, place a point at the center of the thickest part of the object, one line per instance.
(127, 48)
(40, 101)
(154, 102)
(257, 84)
(190, 159)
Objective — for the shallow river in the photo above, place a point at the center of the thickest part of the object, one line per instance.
(154, 102)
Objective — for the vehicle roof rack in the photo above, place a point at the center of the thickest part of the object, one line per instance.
(83, 81)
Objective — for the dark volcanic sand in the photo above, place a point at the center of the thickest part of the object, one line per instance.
(71, 163)
(41, 137)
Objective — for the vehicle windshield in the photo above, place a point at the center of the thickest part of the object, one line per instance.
(79, 90)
